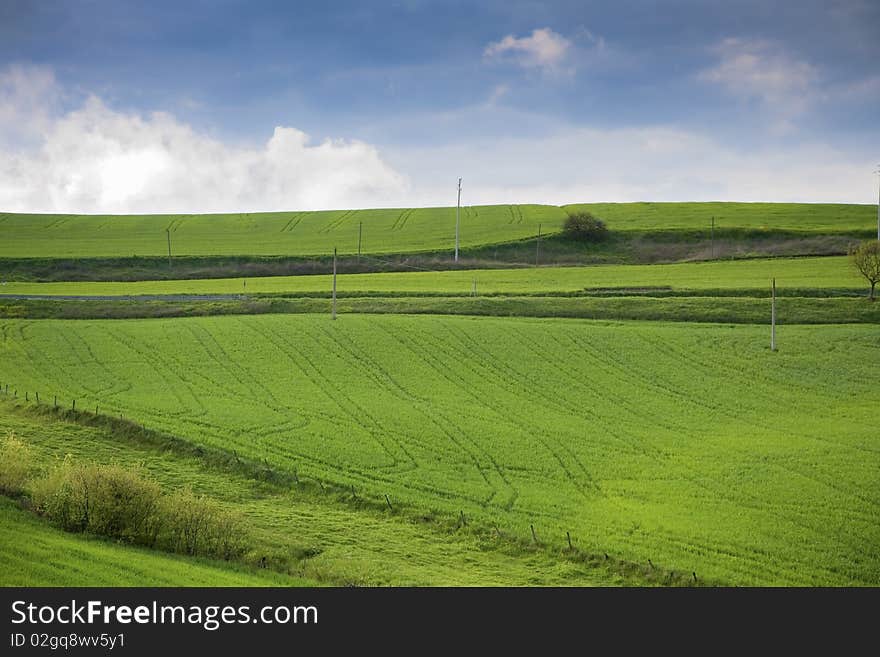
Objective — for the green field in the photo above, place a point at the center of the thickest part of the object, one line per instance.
(324, 537)
(690, 445)
(829, 272)
(395, 230)
(270, 233)
(796, 217)
(33, 553)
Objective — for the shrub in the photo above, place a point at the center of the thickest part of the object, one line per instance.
(16, 462)
(104, 499)
(123, 503)
(585, 227)
(191, 524)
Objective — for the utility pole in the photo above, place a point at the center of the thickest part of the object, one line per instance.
(538, 247)
(713, 237)
(773, 315)
(333, 310)
(878, 202)
(457, 219)
(360, 236)
(168, 235)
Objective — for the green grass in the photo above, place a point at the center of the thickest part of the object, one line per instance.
(273, 233)
(34, 553)
(830, 272)
(329, 538)
(389, 230)
(690, 445)
(802, 217)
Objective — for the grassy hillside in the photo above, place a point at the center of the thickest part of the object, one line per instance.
(689, 445)
(391, 230)
(34, 553)
(271, 233)
(831, 272)
(800, 217)
(327, 537)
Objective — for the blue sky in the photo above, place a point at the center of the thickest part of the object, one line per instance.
(114, 103)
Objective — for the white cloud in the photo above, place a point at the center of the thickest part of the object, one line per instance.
(544, 49)
(28, 95)
(499, 91)
(756, 70)
(634, 164)
(95, 159)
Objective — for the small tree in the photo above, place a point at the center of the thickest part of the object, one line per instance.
(866, 258)
(585, 227)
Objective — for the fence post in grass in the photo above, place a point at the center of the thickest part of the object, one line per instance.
(333, 308)
(388, 502)
(26, 396)
(534, 536)
(38, 397)
(538, 246)
(168, 235)
(74, 405)
(474, 289)
(773, 315)
(568, 536)
(461, 517)
(55, 403)
(96, 410)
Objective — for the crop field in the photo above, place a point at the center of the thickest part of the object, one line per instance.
(270, 233)
(690, 445)
(797, 217)
(303, 534)
(396, 230)
(33, 553)
(826, 272)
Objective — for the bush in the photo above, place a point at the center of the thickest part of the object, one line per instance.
(104, 499)
(16, 462)
(583, 226)
(125, 504)
(198, 525)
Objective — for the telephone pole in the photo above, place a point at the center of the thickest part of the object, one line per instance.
(878, 202)
(457, 219)
(333, 310)
(538, 247)
(713, 238)
(773, 315)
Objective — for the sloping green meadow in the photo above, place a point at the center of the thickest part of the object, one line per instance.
(392, 230)
(304, 533)
(825, 272)
(269, 233)
(799, 217)
(34, 553)
(690, 445)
